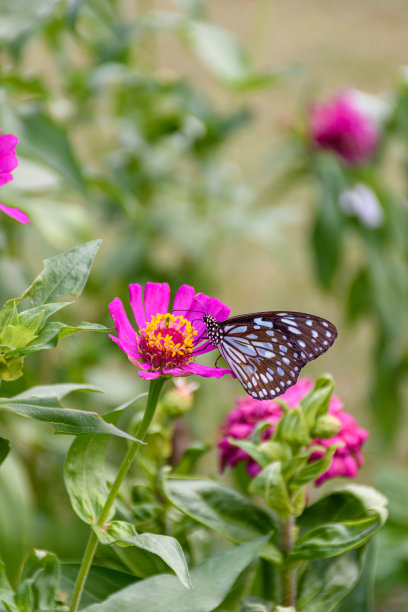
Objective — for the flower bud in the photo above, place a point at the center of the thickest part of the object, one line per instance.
(179, 399)
(326, 426)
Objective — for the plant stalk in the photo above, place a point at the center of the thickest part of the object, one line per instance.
(288, 574)
(151, 405)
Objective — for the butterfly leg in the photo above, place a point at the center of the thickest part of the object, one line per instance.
(216, 361)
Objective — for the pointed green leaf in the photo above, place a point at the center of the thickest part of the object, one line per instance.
(16, 514)
(190, 457)
(291, 427)
(219, 508)
(252, 449)
(100, 583)
(340, 521)
(59, 390)
(362, 596)
(42, 571)
(48, 338)
(314, 469)
(316, 402)
(44, 139)
(65, 420)
(165, 547)
(6, 592)
(64, 274)
(84, 477)
(327, 581)
(270, 485)
(212, 580)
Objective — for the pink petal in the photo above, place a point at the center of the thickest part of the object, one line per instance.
(126, 333)
(15, 213)
(156, 299)
(135, 295)
(208, 371)
(205, 304)
(8, 161)
(149, 375)
(350, 467)
(183, 299)
(175, 371)
(130, 352)
(5, 177)
(8, 141)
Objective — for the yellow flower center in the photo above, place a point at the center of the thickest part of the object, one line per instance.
(167, 341)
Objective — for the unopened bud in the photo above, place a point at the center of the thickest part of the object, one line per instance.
(327, 426)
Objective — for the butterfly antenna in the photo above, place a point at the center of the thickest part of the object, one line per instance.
(206, 311)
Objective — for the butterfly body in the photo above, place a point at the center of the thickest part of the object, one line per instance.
(267, 350)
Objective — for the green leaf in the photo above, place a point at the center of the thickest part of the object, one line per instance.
(340, 521)
(100, 583)
(63, 274)
(18, 336)
(21, 16)
(316, 402)
(314, 469)
(360, 296)
(326, 582)
(16, 514)
(42, 572)
(223, 55)
(252, 449)
(327, 233)
(48, 338)
(361, 597)
(6, 592)
(58, 391)
(45, 140)
(47, 408)
(84, 478)
(4, 449)
(190, 457)
(392, 481)
(291, 427)
(165, 547)
(218, 508)
(270, 485)
(212, 580)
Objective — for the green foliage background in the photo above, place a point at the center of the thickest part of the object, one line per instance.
(155, 126)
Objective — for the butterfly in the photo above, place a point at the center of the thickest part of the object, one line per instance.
(267, 350)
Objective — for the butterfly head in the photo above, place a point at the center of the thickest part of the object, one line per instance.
(212, 325)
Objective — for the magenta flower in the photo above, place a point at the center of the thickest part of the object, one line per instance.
(341, 126)
(9, 161)
(167, 343)
(241, 422)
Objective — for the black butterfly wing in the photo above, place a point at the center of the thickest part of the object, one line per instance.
(267, 350)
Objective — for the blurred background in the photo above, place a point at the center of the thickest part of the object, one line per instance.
(179, 133)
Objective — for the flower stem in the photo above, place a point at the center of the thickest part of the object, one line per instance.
(152, 400)
(288, 574)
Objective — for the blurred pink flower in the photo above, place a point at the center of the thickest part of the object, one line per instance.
(343, 127)
(9, 161)
(166, 342)
(242, 420)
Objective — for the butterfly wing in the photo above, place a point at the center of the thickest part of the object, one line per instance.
(267, 350)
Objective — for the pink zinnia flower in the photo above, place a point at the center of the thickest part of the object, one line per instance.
(9, 161)
(167, 342)
(241, 422)
(343, 127)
